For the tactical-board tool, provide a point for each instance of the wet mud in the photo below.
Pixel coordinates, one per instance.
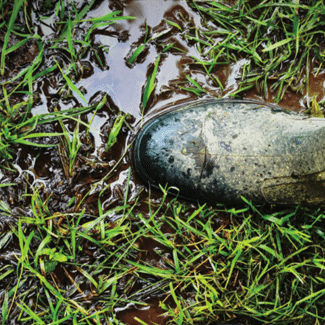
(104, 70)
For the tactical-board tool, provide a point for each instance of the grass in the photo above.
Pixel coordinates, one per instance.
(278, 39)
(268, 267)
(255, 265)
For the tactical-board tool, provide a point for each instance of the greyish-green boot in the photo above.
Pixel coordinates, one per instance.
(217, 151)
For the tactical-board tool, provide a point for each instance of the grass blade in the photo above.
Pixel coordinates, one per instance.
(71, 85)
(115, 130)
(136, 53)
(150, 86)
(17, 5)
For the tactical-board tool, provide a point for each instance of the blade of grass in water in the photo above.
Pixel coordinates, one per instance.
(150, 86)
(112, 138)
(136, 53)
(71, 85)
(16, 8)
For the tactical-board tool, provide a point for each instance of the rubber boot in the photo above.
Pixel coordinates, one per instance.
(218, 151)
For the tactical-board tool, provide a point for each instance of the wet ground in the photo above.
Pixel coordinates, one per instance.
(124, 83)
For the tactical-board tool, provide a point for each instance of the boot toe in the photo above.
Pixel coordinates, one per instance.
(170, 150)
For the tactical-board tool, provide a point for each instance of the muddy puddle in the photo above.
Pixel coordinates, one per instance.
(108, 176)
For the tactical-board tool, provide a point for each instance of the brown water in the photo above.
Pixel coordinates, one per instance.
(124, 83)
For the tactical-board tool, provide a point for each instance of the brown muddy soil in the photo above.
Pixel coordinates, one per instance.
(124, 84)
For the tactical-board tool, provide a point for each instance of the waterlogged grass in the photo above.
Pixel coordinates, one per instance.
(277, 38)
(267, 268)
(278, 44)
(15, 124)
(254, 265)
